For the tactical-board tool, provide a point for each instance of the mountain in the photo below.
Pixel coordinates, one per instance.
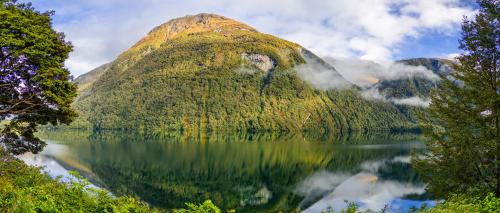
(86, 80)
(209, 73)
(418, 85)
(412, 92)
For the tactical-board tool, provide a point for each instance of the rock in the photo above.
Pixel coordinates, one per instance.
(263, 62)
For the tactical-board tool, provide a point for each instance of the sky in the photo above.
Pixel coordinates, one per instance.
(378, 30)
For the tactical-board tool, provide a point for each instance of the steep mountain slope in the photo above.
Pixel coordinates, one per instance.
(209, 73)
(86, 80)
(416, 86)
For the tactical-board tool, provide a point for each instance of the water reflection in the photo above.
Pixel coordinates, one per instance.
(246, 172)
(52, 167)
(371, 188)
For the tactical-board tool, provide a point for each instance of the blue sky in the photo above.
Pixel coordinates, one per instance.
(378, 30)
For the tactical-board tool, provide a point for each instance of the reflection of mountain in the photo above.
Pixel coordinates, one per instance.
(246, 172)
(380, 182)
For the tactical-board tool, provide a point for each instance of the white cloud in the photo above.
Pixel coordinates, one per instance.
(374, 94)
(367, 29)
(451, 56)
(365, 73)
(321, 77)
(412, 101)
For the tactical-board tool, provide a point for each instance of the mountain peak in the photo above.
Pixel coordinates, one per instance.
(202, 22)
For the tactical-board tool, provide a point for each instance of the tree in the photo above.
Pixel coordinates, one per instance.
(463, 126)
(35, 88)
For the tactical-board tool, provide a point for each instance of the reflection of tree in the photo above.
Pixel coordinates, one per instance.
(399, 171)
(170, 170)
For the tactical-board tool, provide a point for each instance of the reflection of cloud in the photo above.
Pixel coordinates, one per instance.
(53, 149)
(402, 159)
(46, 160)
(372, 166)
(318, 185)
(365, 188)
(50, 166)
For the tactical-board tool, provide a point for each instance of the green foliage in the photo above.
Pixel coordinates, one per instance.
(200, 82)
(354, 208)
(25, 189)
(463, 126)
(466, 203)
(206, 207)
(415, 86)
(41, 94)
(351, 208)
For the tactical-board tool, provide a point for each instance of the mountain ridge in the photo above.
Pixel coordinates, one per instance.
(189, 24)
(219, 80)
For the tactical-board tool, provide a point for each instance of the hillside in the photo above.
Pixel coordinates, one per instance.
(418, 85)
(210, 73)
(86, 80)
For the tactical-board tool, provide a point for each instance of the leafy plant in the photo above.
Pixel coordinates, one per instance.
(34, 85)
(463, 127)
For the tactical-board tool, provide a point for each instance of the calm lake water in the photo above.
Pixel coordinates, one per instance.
(246, 172)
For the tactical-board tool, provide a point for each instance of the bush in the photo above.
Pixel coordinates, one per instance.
(26, 189)
(464, 203)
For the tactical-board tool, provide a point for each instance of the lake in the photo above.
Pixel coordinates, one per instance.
(243, 171)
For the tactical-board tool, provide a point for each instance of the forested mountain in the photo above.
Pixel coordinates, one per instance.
(86, 80)
(415, 90)
(210, 73)
(416, 86)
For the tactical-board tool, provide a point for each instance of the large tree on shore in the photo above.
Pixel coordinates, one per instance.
(35, 88)
(463, 127)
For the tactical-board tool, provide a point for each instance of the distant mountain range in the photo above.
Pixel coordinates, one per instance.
(210, 73)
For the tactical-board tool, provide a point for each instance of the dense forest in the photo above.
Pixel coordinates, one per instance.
(200, 80)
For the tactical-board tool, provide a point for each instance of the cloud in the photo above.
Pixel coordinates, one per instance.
(366, 29)
(360, 72)
(374, 94)
(451, 56)
(412, 101)
(366, 73)
(321, 77)
(396, 71)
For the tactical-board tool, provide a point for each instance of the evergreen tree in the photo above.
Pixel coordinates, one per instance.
(34, 85)
(463, 126)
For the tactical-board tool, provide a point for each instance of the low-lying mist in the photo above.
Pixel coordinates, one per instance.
(342, 73)
(366, 73)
